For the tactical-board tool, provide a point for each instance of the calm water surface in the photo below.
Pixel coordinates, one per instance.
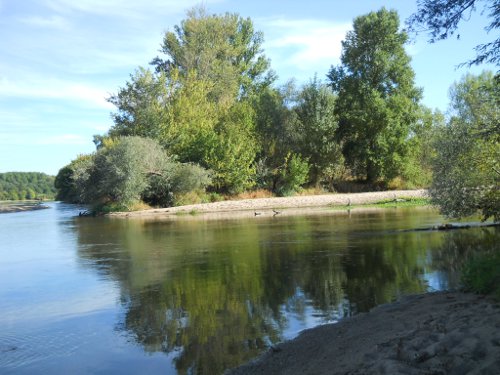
(105, 296)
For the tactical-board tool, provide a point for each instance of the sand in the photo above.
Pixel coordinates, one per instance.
(269, 206)
(436, 333)
(20, 207)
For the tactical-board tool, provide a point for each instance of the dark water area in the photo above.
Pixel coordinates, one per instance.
(193, 296)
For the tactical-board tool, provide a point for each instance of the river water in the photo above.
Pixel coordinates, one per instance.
(194, 296)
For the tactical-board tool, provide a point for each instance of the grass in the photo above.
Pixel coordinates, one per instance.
(192, 212)
(391, 203)
(481, 274)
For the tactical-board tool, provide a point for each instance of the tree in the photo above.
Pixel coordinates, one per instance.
(222, 49)
(26, 185)
(71, 180)
(440, 18)
(317, 127)
(279, 136)
(122, 172)
(377, 99)
(197, 103)
(466, 173)
(418, 169)
(142, 105)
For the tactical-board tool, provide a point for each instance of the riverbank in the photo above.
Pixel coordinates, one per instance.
(435, 333)
(282, 205)
(10, 207)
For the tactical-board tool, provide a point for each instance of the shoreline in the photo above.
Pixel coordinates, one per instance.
(432, 333)
(7, 208)
(268, 206)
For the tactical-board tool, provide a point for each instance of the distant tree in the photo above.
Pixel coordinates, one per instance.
(317, 125)
(377, 98)
(440, 19)
(466, 168)
(26, 185)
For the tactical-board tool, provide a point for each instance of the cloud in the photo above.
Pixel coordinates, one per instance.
(63, 139)
(52, 22)
(34, 139)
(131, 9)
(78, 93)
(305, 44)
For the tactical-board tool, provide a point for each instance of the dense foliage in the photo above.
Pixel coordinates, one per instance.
(466, 167)
(26, 185)
(125, 171)
(208, 120)
(377, 98)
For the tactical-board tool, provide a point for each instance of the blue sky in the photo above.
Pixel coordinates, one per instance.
(61, 59)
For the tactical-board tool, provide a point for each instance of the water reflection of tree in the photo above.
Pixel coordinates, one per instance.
(459, 246)
(216, 292)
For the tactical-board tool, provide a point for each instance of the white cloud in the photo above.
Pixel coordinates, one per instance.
(33, 139)
(63, 139)
(131, 9)
(79, 93)
(52, 22)
(305, 44)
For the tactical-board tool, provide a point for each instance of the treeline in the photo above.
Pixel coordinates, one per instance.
(208, 119)
(26, 185)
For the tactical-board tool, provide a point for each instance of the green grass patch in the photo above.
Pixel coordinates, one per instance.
(192, 212)
(390, 203)
(481, 274)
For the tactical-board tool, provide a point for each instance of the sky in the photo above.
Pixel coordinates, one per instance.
(61, 59)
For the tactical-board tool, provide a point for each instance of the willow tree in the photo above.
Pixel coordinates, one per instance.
(377, 98)
(466, 167)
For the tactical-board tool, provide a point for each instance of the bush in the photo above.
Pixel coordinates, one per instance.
(293, 175)
(482, 274)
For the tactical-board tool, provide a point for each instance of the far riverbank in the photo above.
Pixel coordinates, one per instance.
(280, 205)
(20, 206)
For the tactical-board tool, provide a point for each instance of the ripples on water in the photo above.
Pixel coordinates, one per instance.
(89, 295)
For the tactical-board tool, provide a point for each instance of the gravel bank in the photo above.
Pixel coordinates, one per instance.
(265, 206)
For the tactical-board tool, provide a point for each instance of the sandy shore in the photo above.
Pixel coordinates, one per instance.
(16, 207)
(265, 206)
(437, 333)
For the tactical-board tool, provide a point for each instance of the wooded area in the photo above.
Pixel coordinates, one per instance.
(26, 185)
(207, 120)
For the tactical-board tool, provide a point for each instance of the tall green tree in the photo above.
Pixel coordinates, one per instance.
(280, 168)
(418, 170)
(318, 124)
(223, 49)
(466, 168)
(377, 98)
(197, 103)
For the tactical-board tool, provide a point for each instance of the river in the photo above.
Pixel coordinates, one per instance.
(83, 295)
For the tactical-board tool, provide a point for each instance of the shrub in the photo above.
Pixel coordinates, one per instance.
(482, 274)
(293, 174)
